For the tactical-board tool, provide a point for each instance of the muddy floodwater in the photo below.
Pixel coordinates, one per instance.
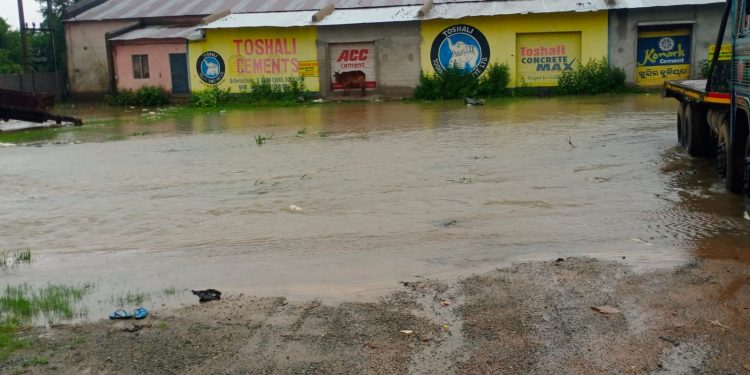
(385, 192)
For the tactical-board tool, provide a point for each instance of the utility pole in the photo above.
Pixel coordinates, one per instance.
(24, 50)
(51, 26)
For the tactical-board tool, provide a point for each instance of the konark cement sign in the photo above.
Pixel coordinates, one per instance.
(662, 56)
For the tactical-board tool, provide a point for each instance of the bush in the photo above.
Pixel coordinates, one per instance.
(151, 96)
(264, 91)
(148, 96)
(453, 83)
(210, 97)
(494, 82)
(595, 77)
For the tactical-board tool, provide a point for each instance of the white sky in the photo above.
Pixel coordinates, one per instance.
(9, 11)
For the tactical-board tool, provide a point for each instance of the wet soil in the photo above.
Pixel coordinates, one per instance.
(529, 318)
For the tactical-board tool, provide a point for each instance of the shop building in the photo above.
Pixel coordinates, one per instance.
(152, 56)
(667, 40)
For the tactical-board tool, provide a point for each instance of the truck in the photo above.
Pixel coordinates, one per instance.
(713, 113)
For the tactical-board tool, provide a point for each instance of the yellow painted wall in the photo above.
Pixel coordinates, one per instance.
(501, 31)
(248, 55)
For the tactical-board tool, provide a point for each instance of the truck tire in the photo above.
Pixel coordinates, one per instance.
(747, 179)
(728, 163)
(681, 124)
(697, 134)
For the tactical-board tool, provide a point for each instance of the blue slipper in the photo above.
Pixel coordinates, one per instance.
(140, 313)
(120, 314)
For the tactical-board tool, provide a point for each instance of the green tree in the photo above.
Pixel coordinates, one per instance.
(40, 44)
(10, 49)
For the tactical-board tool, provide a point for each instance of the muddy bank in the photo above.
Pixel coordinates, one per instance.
(528, 318)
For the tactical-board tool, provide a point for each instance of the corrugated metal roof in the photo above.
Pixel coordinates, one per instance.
(129, 9)
(439, 11)
(134, 9)
(158, 32)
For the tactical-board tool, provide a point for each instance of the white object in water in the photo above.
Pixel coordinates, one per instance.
(293, 208)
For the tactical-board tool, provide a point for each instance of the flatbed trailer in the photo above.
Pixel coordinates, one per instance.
(24, 106)
(713, 114)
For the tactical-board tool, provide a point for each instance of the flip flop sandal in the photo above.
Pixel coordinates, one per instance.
(120, 314)
(140, 313)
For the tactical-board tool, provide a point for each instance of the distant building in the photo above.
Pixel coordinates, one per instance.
(380, 45)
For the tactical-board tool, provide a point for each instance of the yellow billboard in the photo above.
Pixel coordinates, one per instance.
(474, 43)
(662, 56)
(541, 58)
(236, 58)
(725, 53)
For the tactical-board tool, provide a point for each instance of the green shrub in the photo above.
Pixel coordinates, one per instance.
(705, 68)
(595, 77)
(264, 91)
(147, 96)
(121, 98)
(454, 83)
(210, 97)
(494, 82)
(151, 96)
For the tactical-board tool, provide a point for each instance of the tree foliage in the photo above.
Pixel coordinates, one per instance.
(10, 49)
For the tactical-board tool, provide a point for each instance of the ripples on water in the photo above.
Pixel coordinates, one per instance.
(388, 191)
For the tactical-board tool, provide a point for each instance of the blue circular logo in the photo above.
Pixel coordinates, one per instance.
(460, 47)
(210, 67)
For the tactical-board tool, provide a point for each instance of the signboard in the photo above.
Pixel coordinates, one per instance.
(541, 58)
(353, 66)
(725, 53)
(236, 58)
(460, 46)
(662, 56)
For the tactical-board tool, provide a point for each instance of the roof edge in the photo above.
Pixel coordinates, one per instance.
(81, 7)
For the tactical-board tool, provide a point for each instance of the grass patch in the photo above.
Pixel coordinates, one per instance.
(9, 260)
(263, 138)
(9, 342)
(170, 291)
(20, 304)
(36, 361)
(132, 298)
(301, 132)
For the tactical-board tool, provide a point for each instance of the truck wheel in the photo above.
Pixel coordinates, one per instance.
(729, 165)
(747, 179)
(681, 124)
(696, 135)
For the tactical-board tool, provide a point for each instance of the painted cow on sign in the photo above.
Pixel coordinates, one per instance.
(354, 79)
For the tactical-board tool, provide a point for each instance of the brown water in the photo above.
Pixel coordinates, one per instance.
(388, 191)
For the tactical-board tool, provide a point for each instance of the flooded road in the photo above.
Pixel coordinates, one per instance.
(388, 191)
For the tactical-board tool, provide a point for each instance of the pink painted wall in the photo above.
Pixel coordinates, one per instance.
(158, 63)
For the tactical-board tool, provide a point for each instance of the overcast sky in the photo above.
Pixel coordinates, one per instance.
(9, 11)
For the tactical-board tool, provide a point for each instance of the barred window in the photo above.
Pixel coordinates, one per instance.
(140, 66)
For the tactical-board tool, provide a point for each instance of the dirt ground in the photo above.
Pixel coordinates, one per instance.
(529, 318)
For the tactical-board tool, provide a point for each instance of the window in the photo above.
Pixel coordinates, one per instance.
(140, 66)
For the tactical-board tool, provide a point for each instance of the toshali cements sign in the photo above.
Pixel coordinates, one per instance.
(245, 56)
